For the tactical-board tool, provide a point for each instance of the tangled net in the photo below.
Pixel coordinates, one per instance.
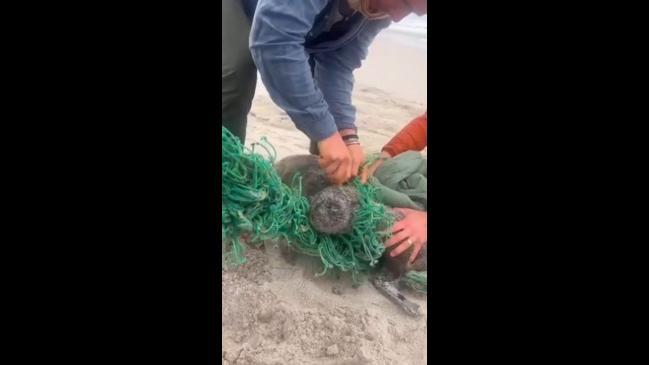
(416, 280)
(255, 201)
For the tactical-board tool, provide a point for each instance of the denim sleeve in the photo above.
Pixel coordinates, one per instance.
(279, 29)
(334, 74)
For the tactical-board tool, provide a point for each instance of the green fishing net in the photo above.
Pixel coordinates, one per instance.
(256, 203)
(416, 280)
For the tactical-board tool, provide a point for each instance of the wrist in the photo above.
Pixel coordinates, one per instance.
(350, 137)
(351, 140)
(347, 131)
(333, 136)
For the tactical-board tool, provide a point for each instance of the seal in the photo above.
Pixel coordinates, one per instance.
(332, 207)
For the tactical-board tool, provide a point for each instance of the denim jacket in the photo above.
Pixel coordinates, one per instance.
(285, 34)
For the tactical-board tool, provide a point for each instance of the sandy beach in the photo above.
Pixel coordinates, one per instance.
(275, 311)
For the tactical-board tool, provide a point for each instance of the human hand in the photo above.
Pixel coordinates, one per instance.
(335, 159)
(356, 151)
(411, 230)
(371, 169)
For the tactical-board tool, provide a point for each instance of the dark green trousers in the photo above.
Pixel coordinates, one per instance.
(238, 72)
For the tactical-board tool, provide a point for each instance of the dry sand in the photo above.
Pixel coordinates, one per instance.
(274, 309)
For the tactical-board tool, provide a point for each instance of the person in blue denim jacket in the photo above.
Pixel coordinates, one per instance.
(306, 52)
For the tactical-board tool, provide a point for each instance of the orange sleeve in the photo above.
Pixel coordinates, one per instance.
(411, 138)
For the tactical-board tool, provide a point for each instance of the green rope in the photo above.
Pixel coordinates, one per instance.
(416, 280)
(255, 201)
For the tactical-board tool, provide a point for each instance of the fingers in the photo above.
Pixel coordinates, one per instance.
(324, 162)
(337, 159)
(335, 169)
(368, 171)
(397, 229)
(342, 174)
(346, 167)
(398, 226)
(400, 249)
(339, 172)
(407, 232)
(415, 252)
(364, 176)
(331, 168)
(357, 159)
(396, 238)
(350, 169)
(354, 168)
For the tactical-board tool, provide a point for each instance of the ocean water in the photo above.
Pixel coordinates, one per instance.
(412, 30)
